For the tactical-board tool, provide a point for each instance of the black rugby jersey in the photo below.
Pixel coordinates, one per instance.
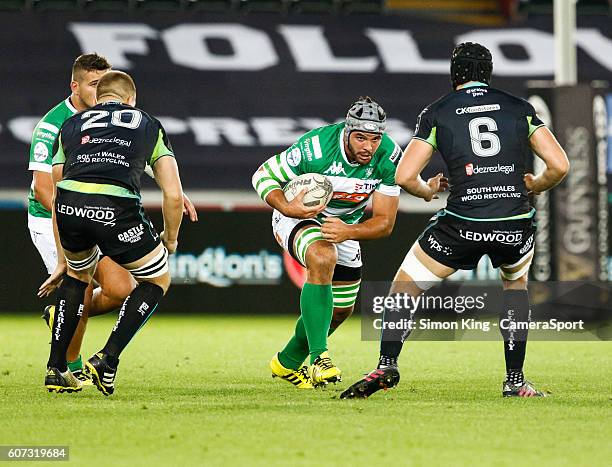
(108, 146)
(482, 134)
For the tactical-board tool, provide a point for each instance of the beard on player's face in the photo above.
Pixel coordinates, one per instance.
(361, 152)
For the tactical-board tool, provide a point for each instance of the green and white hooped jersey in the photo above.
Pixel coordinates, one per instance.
(322, 151)
(41, 149)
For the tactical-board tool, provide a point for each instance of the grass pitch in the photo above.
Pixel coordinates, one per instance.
(197, 391)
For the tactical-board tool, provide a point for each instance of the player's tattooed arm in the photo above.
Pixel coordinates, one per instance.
(416, 156)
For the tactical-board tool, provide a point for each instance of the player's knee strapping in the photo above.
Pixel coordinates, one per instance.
(423, 277)
(306, 238)
(155, 267)
(510, 272)
(345, 296)
(84, 264)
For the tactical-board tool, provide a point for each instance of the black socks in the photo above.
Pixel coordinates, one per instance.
(395, 331)
(68, 311)
(516, 313)
(136, 310)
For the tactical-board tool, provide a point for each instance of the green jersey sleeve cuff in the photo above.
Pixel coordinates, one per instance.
(431, 139)
(533, 128)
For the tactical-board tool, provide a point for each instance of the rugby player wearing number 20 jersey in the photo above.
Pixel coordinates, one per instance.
(485, 137)
(99, 157)
(113, 282)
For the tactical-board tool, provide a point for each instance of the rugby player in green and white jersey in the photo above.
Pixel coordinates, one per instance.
(360, 161)
(115, 282)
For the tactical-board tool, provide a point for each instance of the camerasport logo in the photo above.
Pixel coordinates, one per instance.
(85, 139)
(471, 169)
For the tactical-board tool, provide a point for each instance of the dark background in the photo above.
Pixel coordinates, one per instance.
(37, 52)
(38, 49)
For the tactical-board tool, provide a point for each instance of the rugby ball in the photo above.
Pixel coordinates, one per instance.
(320, 189)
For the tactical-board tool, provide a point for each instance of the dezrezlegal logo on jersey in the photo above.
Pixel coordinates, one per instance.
(471, 169)
(118, 141)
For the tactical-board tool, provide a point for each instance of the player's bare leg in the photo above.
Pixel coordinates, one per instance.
(340, 316)
(115, 283)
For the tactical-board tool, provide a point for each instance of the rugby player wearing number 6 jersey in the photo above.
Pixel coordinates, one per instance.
(99, 157)
(485, 137)
(360, 161)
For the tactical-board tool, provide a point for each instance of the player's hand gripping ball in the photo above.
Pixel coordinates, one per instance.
(319, 189)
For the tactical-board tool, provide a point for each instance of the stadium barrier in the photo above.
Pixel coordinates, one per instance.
(229, 262)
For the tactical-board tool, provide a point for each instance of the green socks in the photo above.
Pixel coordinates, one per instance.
(75, 365)
(296, 350)
(316, 304)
